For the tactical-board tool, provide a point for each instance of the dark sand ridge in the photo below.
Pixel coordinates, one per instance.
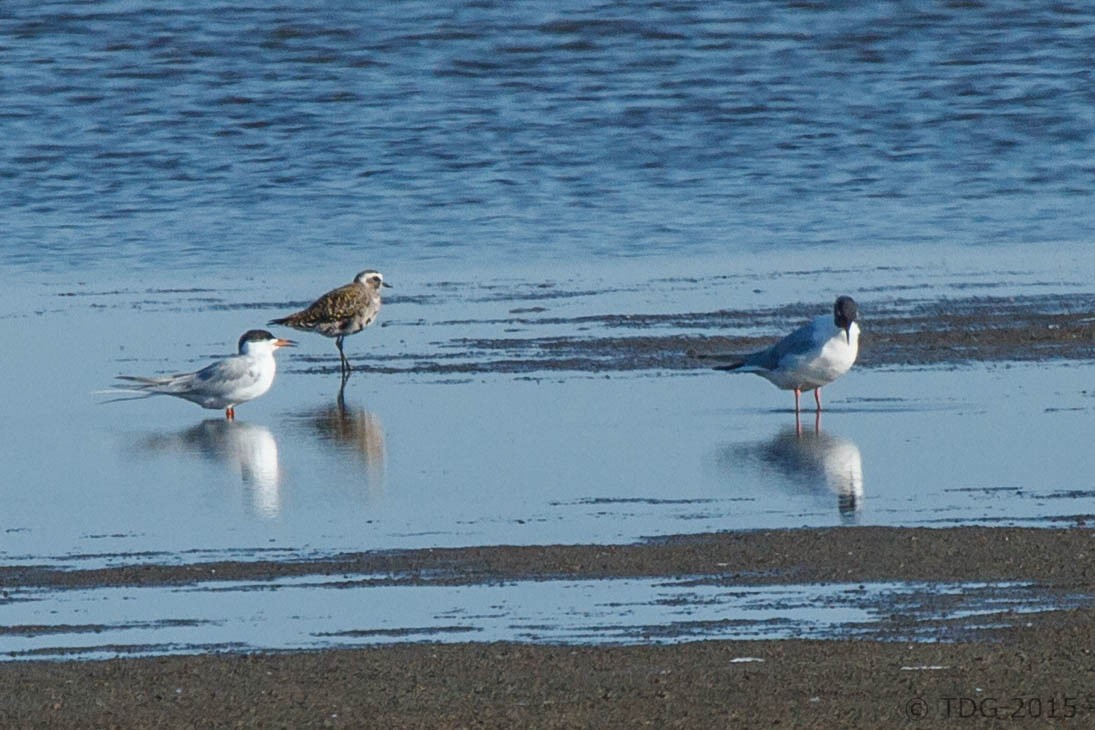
(895, 332)
(755, 557)
(1042, 666)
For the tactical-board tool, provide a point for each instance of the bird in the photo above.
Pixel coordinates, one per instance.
(224, 384)
(813, 355)
(340, 312)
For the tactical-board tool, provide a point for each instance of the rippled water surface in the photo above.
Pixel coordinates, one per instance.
(259, 136)
(173, 176)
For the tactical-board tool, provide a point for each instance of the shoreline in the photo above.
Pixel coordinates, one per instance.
(1045, 656)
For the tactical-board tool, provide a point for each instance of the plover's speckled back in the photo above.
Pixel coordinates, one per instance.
(224, 384)
(340, 312)
(814, 355)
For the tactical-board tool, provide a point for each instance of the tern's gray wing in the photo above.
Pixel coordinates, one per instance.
(222, 377)
(798, 342)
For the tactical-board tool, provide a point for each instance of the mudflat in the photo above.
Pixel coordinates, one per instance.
(1027, 669)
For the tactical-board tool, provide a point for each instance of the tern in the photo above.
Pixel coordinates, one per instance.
(224, 384)
(340, 312)
(814, 355)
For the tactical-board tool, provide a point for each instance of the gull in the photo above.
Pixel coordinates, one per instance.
(814, 355)
(340, 312)
(224, 384)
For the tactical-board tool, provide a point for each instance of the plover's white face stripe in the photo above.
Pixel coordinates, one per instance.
(371, 277)
(341, 312)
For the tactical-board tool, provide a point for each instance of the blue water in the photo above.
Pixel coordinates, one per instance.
(173, 176)
(413, 135)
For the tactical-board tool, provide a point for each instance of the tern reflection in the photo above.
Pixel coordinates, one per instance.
(354, 430)
(810, 460)
(249, 447)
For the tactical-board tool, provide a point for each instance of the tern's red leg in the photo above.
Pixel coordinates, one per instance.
(817, 398)
(798, 392)
(230, 414)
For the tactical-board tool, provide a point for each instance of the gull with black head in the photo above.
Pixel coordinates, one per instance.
(814, 355)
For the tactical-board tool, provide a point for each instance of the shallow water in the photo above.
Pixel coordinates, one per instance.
(345, 611)
(416, 459)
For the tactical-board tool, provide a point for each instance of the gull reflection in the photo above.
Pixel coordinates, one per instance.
(353, 430)
(247, 446)
(809, 460)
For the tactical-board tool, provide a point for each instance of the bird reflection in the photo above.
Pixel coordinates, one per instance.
(809, 459)
(352, 429)
(247, 446)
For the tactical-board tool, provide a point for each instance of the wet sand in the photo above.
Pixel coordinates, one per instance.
(896, 332)
(761, 557)
(1028, 669)
(1044, 671)
(1031, 663)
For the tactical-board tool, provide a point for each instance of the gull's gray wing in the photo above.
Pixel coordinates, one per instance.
(798, 342)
